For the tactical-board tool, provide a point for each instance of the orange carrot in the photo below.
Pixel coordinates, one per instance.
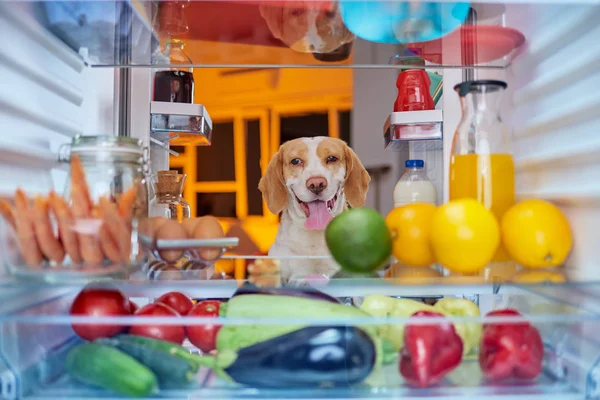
(126, 203)
(88, 242)
(68, 236)
(79, 184)
(116, 227)
(108, 245)
(48, 243)
(30, 250)
(8, 213)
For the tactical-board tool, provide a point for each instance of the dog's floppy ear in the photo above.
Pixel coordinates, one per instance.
(357, 180)
(273, 186)
(273, 15)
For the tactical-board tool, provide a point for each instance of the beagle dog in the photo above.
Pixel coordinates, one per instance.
(309, 181)
(307, 26)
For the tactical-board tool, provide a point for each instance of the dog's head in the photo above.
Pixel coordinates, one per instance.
(313, 178)
(308, 27)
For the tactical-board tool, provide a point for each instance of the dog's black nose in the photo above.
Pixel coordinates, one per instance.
(316, 184)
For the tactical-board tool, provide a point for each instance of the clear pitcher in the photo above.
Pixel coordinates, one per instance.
(481, 164)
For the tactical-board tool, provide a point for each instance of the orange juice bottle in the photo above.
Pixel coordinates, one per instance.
(481, 164)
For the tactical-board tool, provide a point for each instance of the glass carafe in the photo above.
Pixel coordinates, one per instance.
(167, 200)
(175, 84)
(481, 164)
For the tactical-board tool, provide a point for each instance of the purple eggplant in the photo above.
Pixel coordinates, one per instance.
(312, 357)
(304, 292)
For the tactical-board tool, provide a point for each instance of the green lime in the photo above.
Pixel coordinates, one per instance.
(359, 240)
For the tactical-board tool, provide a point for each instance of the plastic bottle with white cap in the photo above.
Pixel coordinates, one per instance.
(414, 186)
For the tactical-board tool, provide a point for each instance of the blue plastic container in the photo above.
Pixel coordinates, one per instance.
(402, 22)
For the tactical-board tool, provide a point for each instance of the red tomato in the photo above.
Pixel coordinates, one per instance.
(99, 302)
(170, 333)
(177, 301)
(204, 336)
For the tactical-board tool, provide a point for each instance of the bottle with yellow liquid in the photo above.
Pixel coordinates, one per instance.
(481, 164)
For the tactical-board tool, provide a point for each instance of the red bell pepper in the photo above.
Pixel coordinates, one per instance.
(430, 352)
(510, 350)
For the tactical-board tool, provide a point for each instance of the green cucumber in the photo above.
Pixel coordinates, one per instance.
(106, 367)
(260, 305)
(171, 370)
(164, 347)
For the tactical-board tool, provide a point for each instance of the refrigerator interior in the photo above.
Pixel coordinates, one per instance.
(57, 82)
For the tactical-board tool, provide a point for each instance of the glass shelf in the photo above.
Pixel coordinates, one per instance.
(182, 123)
(397, 280)
(415, 128)
(122, 33)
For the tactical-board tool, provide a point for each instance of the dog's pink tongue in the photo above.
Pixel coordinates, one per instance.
(318, 215)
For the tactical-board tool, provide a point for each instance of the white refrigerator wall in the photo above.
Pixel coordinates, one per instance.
(554, 109)
(47, 96)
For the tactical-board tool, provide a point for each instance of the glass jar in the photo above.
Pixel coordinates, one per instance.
(175, 84)
(167, 198)
(115, 169)
(90, 231)
(481, 163)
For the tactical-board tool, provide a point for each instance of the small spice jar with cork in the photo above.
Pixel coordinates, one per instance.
(167, 200)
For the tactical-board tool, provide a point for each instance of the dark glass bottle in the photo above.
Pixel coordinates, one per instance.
(176, 84)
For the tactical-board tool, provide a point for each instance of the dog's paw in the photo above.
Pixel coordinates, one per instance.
(265, 273)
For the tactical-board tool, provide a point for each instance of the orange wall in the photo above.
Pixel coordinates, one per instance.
(235, 88)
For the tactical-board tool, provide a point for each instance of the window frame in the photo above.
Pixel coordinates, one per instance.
(270, 135)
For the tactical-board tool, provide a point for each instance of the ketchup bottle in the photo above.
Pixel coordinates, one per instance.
(413, 91)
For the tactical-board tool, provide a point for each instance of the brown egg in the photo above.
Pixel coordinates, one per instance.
(145, 227)
(171, 230)
(155, 224)
(208, 227)
(190, 224)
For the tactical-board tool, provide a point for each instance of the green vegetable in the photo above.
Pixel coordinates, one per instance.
(164, 347)
(470, 332)
(359, 240)
(106, 367)
(384, 306)
(389, 351)
(173, 365)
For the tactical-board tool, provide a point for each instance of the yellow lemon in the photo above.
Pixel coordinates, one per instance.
(464, 235)
(536, 234)
(410, 227)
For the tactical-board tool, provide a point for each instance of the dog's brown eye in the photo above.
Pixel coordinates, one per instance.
(296, 161)
(331, 159)
(296, 12)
